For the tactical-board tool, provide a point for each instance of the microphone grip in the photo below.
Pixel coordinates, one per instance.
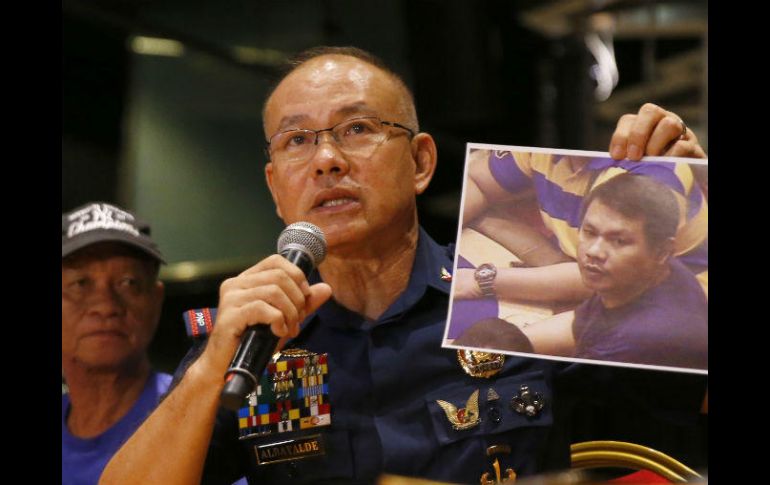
(257, 346)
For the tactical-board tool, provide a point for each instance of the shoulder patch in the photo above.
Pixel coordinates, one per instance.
(199, 322)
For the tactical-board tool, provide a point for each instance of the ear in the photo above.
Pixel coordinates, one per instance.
(666, 251)
(425, 157)
(158, 292)
(269, 178)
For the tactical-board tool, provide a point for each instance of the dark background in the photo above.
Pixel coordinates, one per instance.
(491, 71)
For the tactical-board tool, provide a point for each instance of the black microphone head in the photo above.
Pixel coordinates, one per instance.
(305, 237)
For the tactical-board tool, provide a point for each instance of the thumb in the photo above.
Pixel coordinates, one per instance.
(319, 294)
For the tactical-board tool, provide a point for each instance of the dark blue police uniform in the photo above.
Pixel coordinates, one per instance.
(385, 380)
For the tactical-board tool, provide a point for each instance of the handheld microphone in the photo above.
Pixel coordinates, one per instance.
(303, 244)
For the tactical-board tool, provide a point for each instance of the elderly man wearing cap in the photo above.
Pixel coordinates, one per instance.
(111, 301)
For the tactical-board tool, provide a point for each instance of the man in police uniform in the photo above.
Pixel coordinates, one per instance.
(347, 155)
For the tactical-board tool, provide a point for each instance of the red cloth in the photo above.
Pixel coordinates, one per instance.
(642, 476)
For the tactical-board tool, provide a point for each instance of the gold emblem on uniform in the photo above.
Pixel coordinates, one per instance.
(509, 479)
(463, 418)
(480, 364)
(292, 353)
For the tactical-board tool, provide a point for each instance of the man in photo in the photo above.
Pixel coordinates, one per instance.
(648, 308)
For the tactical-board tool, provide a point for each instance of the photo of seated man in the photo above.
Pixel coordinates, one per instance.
(647, 308)
(517, 247)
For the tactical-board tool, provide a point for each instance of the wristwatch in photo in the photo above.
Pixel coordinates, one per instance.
(485, 278)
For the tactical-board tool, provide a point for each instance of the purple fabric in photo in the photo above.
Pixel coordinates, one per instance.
(467, 312)
(667, 325)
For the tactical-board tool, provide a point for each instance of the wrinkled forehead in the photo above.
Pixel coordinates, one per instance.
(328, 85)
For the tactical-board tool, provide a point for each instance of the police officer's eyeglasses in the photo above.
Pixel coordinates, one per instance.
(357, 136)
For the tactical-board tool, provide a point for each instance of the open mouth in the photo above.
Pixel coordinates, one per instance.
(334, 198)
(336, 202)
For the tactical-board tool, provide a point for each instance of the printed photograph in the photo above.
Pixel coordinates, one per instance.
(572, 255)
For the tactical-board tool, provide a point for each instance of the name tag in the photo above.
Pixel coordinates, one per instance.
(293, 449)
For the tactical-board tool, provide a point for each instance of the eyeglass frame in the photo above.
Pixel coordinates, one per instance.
(392, 124)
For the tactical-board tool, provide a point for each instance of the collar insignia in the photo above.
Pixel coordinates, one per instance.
(445, 275)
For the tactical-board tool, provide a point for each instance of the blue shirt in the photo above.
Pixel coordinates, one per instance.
(84, 459)
(385, 377)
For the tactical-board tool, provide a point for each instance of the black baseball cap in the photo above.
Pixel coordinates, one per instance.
(97, 222)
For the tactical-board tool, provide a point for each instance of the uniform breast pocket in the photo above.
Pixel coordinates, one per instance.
(483, 407)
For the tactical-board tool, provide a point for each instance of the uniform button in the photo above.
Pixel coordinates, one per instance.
(291, 470)
(493, 411)
(494, 414)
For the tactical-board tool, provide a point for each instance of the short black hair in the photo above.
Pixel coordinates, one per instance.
(495, 333)
(639, 197)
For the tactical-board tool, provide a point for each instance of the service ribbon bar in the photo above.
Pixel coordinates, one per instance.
(292, 394)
